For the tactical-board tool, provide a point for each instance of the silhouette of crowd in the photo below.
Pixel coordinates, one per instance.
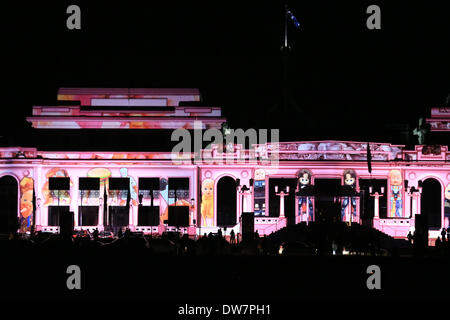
(316, 238)
(442, 243)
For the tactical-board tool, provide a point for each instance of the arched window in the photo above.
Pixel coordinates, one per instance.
(8, 200)
(226, 202)
(431, 203)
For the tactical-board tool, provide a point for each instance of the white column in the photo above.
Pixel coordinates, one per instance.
(135, 216)
(75, 196)
(377, 207)
(414, 205)
(191, 216)
(100, 210)
(376, 199)
(282, 205)
(247, 202)
(194, 194)
(418, 204)
(43, 211)
(131, 215)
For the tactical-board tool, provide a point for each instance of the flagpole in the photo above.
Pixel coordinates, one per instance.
(285, 27)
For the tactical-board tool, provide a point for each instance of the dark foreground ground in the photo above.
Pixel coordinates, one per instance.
(30, 274)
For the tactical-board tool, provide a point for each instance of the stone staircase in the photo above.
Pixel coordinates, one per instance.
(356, 234)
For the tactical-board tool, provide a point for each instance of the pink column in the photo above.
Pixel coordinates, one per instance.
(75, 196)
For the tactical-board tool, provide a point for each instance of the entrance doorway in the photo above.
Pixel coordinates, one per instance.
(327, 191)
(226, 202)
(431, 203)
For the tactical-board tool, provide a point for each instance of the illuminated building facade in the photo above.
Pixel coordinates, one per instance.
(282, 183)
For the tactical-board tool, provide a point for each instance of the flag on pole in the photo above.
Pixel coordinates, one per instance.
(294, 20)
(369, 158)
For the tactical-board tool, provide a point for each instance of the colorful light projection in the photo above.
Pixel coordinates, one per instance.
(26, 202)
(260, 192)
(55, 197)
(90, 96)
(329, 150)
(103, 174)
(133, 188)
(348, 209)
(168, 113)
(163, 200)
(182, 199)
(207, 207)
(89, 198)
(106, 155)
(178, 203)
(396, 194)
(305, 205)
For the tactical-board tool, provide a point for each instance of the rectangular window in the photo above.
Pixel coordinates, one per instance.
(88, 215)
(58, 183)
(89, 191)
(148, 216)
(179, 188)
(54, 213)
(89, 184)
(119, 183)
(118, 191)
(178, 216)
(147, 185)
(59, 188)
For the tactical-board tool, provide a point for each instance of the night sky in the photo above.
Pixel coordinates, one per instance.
(347, 82)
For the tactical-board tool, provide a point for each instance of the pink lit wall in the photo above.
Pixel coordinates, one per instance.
(32, 174)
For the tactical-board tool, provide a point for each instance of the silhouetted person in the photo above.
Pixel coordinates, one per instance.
(219, 232)
(256, 234)
(238, 238)
(260, 247)
(443, 234)
(264, 244)
(127, 232)
(410, 237)
(95, 234)
(438, 242)
(232, 237)
(120, 234)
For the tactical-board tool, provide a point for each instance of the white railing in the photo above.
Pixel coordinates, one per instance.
(269, 224)
(50, 229)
